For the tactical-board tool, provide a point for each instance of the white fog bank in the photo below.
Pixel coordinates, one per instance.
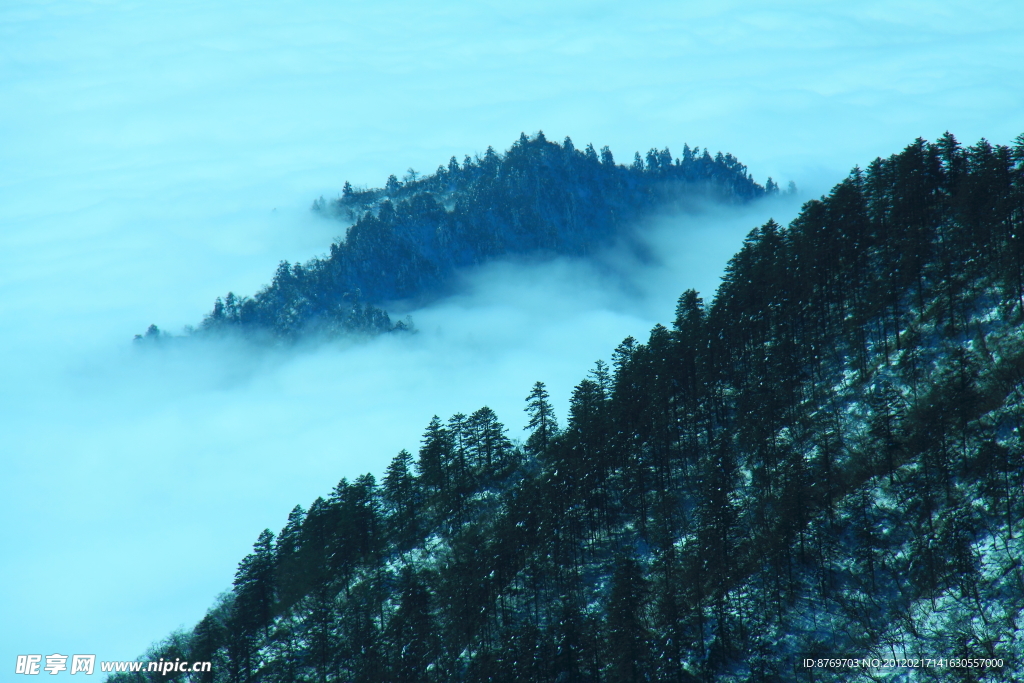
(156, 155)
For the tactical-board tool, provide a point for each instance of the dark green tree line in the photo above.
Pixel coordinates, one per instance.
(826, 460)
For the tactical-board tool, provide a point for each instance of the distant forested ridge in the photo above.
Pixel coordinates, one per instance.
(408, 238)
(826, 461)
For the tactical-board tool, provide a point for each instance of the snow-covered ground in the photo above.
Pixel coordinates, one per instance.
(155, 155)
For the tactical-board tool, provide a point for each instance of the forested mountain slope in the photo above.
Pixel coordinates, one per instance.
(824, 461)
(409, 237)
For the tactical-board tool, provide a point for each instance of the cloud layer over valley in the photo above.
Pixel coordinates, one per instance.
(157, 155)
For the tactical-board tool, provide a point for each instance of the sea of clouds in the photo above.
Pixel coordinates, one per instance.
(155, 155)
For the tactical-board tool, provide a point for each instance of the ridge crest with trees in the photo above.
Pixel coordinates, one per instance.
(824, 461)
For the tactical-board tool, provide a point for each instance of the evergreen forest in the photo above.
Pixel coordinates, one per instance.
(406, 240)
(823, 460)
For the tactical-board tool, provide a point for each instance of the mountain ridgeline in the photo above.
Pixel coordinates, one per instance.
(408, 238)
(826, 461)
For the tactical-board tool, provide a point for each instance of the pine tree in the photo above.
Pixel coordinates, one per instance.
(253, 607)
(402, 500)
(434, 463)
(543, 425)
(489, 451)
(287, 561)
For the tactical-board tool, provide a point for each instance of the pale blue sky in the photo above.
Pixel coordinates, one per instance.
(154, 155)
